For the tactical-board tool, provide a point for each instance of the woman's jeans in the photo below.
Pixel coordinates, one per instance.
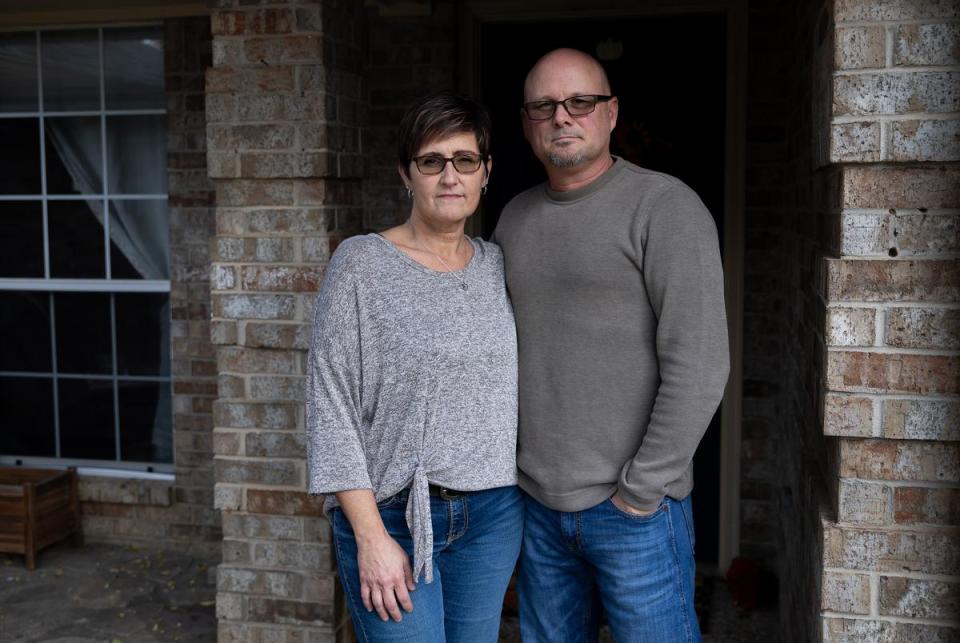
(475, 547)
(638, 569)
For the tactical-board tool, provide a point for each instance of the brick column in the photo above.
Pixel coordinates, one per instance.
(285, 102)
(892, 557)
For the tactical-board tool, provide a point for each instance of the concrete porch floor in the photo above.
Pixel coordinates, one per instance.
(114, 594)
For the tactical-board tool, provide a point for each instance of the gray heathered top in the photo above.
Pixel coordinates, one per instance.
(411, 379)
(617, 289)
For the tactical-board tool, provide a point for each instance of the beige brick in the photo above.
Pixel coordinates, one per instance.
(227, 442)
(277, 335)
(254, 193)
(927, 552)
(930, 140)
(275, 387)
(227, 498)
(254, 306)
(921, 419)
(930, 44)
(295, 555)
(229, 606)
(917, 598)
(223, 165)
(223, 332)
(223, 278)
(855, 142)
(277, 528)
(860, 47)
(220, 107)
(918, 234)
(901, 187)
(271, 472)
(893, 373)
(284, 503)
(291, 221)
(231, 578)
(250, 137)
(847, 415)
(264, 165)
(842, 630)
(896, 93)
(273, 250)
(230, 386)
(275, 444)
(274, 106)
(925, 505)
(871, 10)
(923, 328)
(864, 503)
(891, 281)
(850, 326)
(900, 460)
(256, 415)
(844, 592)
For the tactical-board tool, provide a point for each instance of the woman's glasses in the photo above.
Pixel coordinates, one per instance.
(463, 162)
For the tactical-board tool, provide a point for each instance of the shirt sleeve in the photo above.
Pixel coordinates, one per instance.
(334, 440)
(683, 275)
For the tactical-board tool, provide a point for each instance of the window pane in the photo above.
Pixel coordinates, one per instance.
(76, 239)
(86, 419)
(143, 335)
(139, 239)
(20, 164)
(83, 333)
(25, 329)
(133, 68)
(71, 70)
(18, 72)
(21, 239)
(145, 422)
(137, 154)
(74, 155)
(26, 416)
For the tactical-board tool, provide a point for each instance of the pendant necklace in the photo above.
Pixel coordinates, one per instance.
(450, 271)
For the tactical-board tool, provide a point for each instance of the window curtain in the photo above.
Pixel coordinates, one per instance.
(137, 227)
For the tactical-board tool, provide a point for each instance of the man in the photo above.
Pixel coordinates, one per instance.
(617, 288)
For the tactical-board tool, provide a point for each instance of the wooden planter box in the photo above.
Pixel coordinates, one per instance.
(38, 507)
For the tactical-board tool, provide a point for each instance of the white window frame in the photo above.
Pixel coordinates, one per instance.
(105, 285)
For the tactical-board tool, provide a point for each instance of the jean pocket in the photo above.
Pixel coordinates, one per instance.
(687, 510)
(661, 509)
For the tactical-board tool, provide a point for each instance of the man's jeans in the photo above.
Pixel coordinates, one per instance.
(640, 569)
(476, 543)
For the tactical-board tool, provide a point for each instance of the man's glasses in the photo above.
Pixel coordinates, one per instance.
(463, 162)
(541, 110)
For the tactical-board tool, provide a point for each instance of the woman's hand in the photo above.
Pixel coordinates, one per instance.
(386, 577)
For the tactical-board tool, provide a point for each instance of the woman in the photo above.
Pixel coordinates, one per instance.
(411, 399)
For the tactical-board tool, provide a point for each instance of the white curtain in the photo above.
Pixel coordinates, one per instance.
(136, 157)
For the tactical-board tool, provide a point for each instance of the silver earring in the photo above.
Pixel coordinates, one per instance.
(483, 189)
(409, 192)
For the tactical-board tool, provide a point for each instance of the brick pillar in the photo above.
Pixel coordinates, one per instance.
(892, 557)
(285, 102)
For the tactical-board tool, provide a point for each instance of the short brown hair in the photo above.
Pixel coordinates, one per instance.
(439, 115)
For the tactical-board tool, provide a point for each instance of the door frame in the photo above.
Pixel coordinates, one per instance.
(473, 14)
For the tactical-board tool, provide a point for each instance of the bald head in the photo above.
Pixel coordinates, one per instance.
(564, 62)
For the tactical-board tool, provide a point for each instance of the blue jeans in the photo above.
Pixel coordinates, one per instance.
(475, 547)
(638, 569)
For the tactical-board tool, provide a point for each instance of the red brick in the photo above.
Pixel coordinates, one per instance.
(280, 279)
(937, 506)
(885, 281)
(847, 415)
(288, 503)
(900, 460)
(893, 373)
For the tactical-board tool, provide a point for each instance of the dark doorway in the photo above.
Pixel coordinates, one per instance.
(669, 74)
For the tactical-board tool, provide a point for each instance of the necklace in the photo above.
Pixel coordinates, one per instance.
(450, 271)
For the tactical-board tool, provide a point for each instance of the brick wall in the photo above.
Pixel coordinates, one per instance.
(181, 513)
(286, 101)
(892, 556)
